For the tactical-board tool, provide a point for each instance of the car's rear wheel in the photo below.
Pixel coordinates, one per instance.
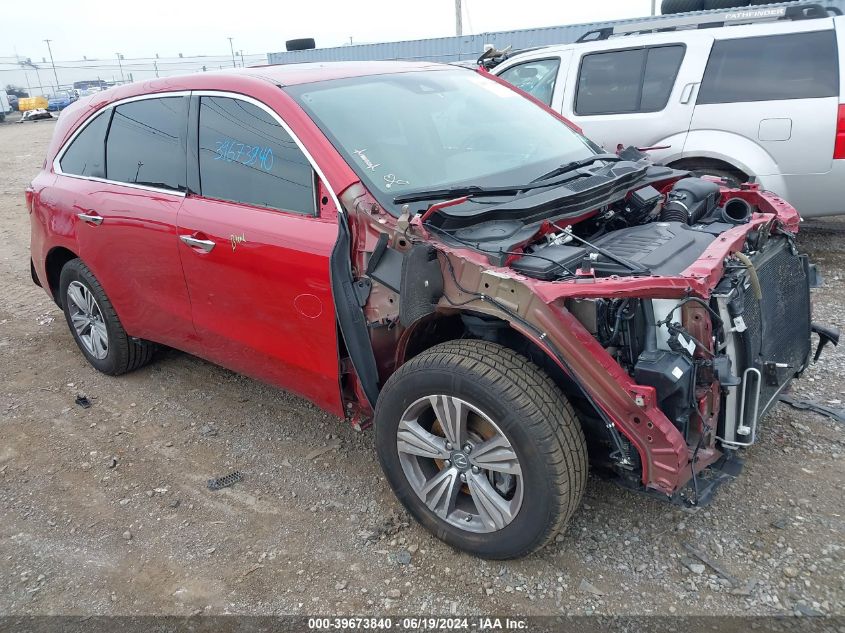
(482, 448)
(94, 324)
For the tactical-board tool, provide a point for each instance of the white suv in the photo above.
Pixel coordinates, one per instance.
(758, 96)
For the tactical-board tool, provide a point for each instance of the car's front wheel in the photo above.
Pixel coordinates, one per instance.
(95, 325)
(482, 448)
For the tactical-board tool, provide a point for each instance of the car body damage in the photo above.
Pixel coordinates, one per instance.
(552, 317)
(423, 247)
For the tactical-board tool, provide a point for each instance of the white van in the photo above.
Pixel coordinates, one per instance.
(5, 106)
(758, 94)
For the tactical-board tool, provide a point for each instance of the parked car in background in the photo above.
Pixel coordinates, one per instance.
(60, 100)
(758, 97)
(423, 246)
(13, 101)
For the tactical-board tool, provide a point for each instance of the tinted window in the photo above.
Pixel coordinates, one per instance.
(637, 80)
(246, 156)
(537, 78)
(661, 70)
(86, 155)
(146, 143)
(794, 66)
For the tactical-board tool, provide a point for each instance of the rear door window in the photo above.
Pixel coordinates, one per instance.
(86, 155)
(771, 68)
(146, 144)
(536, 77)
(246, 156)
(627, 81)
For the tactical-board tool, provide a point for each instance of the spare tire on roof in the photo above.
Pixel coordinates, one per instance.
(681, 6)
(302, 44)
(725, 4)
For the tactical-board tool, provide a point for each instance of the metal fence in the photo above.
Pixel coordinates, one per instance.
(467, 47)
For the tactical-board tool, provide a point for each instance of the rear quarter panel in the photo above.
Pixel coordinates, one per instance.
(52, 226)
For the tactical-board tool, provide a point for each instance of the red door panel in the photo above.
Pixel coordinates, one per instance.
(261, 297)
(134, 254)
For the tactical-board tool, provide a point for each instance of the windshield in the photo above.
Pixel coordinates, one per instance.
(433, 129)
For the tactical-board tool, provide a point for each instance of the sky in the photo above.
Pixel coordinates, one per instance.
(100, 28)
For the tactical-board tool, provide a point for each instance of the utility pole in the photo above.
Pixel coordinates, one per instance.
(120, 57)
(232, 48)
(53, 63)
(29, 63)
(38, 77)
(155, 65)
(28, 87)
(654, 7)
(243, 64)
(459, 18)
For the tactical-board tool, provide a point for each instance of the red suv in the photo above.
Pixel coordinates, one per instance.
(429, 248)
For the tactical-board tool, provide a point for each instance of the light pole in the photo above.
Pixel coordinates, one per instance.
(232, 48)
(654, 7)
(120, 57)
(243, 64)
(459, 18)
(55, 74)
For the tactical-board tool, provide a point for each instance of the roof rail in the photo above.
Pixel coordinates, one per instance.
(732, 17)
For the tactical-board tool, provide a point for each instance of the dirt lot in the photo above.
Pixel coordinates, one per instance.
(105, 510)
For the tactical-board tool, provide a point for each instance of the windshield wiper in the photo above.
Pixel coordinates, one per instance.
(458, 192)
(577, 164)
(474, 191)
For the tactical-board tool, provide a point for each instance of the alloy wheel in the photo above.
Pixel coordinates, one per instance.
(460, 463)
(87, 320)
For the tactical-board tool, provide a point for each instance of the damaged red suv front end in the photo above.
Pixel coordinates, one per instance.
(425, 248)
(671, 310)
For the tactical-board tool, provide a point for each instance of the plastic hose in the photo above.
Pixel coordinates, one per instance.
(755, 280)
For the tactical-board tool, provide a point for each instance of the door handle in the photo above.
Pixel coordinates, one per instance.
(90, 218)
(194, 242)
(687, 93)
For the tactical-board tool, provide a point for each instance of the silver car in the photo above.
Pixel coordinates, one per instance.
(760, 96)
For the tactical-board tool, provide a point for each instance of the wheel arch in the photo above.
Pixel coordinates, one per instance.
(56, 259)
(441, 328)
(692, 163)
(740, 152)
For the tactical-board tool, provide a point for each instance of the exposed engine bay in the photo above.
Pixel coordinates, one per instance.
(686, 298)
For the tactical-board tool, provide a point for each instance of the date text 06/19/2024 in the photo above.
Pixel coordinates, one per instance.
(417, 623)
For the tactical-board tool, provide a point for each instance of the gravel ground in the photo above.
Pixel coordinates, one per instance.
(105, 510)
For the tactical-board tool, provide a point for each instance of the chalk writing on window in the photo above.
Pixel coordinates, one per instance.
(233, 151)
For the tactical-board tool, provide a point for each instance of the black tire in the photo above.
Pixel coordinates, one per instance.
(533, 414)
(124, 353)
(725, 4)
(681, 6)
(302, 44)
